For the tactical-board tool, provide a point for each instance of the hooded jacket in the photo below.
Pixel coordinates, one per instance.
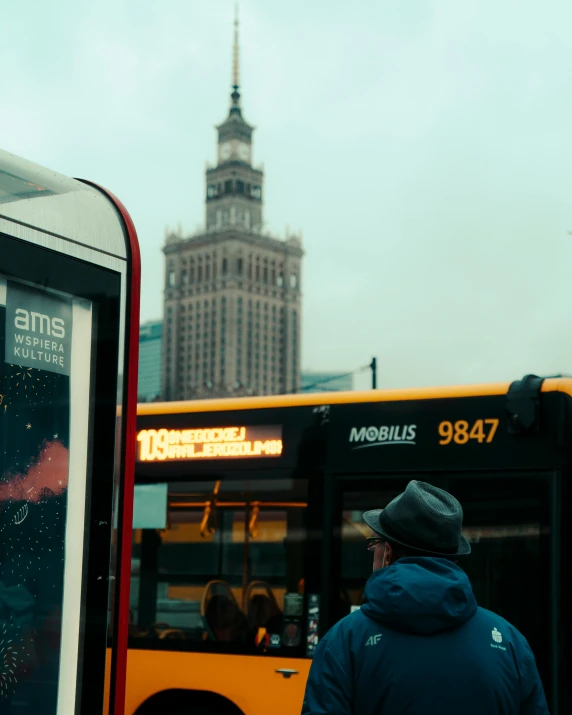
(420, 645)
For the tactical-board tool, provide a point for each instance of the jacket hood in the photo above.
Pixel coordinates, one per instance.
(421, 595)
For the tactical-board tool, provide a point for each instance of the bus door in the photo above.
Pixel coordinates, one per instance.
(511, 521)
(218, 574)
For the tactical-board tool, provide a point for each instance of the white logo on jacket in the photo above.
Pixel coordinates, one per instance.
(497, 636)
(373, 640)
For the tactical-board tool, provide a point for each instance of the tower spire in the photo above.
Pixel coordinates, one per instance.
(235, 61)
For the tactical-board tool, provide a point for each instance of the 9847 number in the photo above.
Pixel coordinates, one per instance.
(462, 432)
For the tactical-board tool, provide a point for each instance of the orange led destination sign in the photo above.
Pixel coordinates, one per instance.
(169, 445)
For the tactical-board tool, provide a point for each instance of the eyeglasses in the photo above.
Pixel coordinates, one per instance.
(373, 542)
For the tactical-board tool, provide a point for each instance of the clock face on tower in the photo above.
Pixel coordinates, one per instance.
(243, 151)
(234, 149)
(225, 151)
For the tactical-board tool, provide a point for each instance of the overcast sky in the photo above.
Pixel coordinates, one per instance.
(422, 146)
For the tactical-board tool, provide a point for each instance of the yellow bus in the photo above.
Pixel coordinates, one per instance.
(249, 544)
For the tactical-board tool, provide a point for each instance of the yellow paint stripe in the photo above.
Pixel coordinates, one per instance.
(341, 398)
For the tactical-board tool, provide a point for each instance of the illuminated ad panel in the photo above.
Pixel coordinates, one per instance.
(45, 344)
(231, 442)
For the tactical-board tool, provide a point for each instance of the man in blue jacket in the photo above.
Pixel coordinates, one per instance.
(420, 645)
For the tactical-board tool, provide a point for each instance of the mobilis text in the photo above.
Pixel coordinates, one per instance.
(384, 435)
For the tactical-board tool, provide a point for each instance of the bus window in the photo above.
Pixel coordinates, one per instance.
(508, 522)
(506, 519)
(219, 575)
(356, 561)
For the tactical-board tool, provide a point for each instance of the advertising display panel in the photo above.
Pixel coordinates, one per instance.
(69, 292)
(45, 341)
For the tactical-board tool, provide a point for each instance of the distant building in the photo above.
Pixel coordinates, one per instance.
(326, 382)
(232, 302)
(150, 350)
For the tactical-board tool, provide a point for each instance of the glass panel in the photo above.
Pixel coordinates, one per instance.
(507, 522)
(15, 187)
(45, 354)
(219, 576)
(356, 561)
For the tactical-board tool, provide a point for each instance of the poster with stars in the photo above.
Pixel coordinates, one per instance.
(36, 338)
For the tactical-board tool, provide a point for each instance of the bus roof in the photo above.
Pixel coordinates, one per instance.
(560, 384)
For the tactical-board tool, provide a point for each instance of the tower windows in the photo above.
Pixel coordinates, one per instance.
(239, 340)
(222, 336)
(257, 345)
(228, 186)
(294, 350)
(172, 280)
(293, 281)
(249, 345)
(239, 263)
(224, 266)
(239, 186)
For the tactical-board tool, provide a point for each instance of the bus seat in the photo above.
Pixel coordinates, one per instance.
(259, 585)
(262, 608)
(214, 588)
(263, 612)
(222, 616)
(225, 620)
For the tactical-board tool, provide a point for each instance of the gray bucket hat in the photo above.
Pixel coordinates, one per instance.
(424, 518)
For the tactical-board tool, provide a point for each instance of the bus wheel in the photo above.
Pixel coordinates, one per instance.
(188, 702)
(200, 709)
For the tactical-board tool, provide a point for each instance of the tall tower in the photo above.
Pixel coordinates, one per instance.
(234, 186)
(232, 301)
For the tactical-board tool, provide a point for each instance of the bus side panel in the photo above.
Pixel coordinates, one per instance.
(250, 682)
